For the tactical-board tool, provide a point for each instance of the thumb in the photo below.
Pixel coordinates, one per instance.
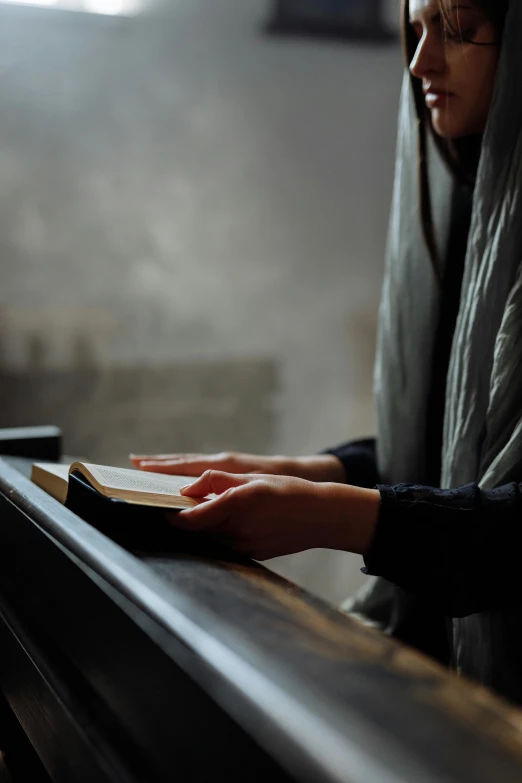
(214, 482)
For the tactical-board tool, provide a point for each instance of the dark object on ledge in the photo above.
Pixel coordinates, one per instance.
(125, 666)
(38, 443)
(138, 528)
(342, 19)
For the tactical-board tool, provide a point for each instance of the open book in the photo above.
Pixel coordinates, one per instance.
(132, 486)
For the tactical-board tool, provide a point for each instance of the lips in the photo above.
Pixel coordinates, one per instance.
(435, 97)
(433, 91)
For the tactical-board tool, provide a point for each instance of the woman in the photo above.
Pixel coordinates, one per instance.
(445, 561)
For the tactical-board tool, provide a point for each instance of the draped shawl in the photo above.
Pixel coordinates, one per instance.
(482, 440)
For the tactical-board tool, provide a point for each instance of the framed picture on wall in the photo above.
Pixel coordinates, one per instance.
(342, 18)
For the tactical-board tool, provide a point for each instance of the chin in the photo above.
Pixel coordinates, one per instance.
(449, 130)
(452, 128)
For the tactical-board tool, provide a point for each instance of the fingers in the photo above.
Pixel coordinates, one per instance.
(173, 464)
(214, 482)
(174, 467)
(216, 512)
(140, 457)
(216, 516)
(178, 464)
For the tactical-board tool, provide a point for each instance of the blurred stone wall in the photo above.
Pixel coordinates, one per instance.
(192, 233)
(106, 413)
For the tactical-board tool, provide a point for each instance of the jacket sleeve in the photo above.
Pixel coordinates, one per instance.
(359, 461)
(458, 548)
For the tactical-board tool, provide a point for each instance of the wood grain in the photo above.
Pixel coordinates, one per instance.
(148, 644)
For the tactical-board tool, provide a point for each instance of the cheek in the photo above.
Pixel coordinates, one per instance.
(475, 76)
(471, 76)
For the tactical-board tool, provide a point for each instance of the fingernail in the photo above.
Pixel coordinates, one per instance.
(182, 489)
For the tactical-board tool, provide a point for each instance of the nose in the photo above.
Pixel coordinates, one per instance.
(429, 58)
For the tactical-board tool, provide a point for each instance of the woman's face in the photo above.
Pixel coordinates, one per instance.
(457, 75)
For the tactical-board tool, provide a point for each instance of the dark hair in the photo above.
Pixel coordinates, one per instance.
(456, 153)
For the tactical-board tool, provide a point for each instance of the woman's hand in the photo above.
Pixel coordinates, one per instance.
(322, 467)
(268, 516)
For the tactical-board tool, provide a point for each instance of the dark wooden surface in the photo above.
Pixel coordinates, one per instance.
(129, 664)
(43, 443)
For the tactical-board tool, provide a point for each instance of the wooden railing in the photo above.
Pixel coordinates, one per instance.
(186, 664)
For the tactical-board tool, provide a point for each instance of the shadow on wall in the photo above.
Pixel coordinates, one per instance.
(107, 412)
(348, 20)
(54, 369)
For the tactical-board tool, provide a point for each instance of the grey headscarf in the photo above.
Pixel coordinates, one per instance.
(483, 418)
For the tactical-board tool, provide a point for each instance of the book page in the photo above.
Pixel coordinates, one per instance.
(56, 468)
(52, 477)
(138, 480)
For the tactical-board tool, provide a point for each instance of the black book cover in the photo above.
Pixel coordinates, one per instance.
(137, 528)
